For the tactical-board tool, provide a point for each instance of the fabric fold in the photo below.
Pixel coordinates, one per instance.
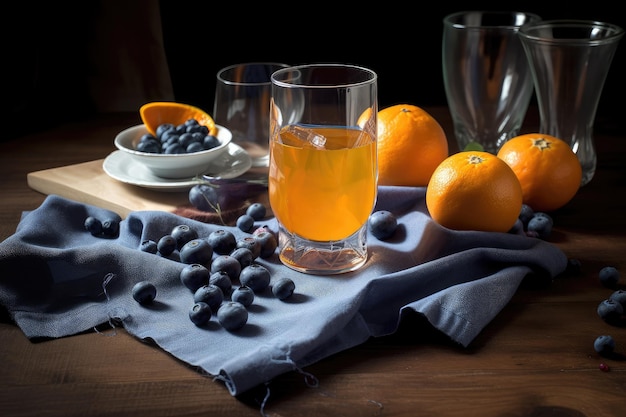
(56, 280)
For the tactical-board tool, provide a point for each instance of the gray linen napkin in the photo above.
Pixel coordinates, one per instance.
(57, 280)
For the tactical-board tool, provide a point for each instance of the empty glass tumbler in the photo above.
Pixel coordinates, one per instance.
(242, 104)
(486, 76)
(570, 60)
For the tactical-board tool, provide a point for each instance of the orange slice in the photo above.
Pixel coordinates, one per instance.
(156, 113)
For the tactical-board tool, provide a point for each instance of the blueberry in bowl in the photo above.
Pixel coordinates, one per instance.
(166, 155)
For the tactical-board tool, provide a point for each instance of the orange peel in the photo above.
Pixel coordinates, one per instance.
(157, 113)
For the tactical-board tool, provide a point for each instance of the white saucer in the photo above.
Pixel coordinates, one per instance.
(118, 165)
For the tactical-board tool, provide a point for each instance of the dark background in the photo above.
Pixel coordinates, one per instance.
(56, 54)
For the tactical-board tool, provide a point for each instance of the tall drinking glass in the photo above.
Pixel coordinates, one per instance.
(242, 102)
(570, 60)
(486, 76)
(323, 171)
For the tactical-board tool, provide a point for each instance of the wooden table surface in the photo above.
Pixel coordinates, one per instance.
(536, 358)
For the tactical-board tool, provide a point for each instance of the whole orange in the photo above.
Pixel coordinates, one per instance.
(474, 190)
(547, 169)
(411, 143)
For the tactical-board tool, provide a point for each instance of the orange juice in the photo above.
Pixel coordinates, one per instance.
(323, 192)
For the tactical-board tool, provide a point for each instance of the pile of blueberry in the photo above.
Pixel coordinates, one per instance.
(220, 271)
(534, 223)
(188, 137)
(108, 228)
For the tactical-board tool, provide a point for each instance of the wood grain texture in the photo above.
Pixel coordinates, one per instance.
(88, 183)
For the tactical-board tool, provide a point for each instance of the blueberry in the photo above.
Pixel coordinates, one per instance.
(147, 137)
(609, 276)
(149, 146)
(221, 280)
(198, 137)
(173, 149)
(525, 214)
(111, 228)
(245, 222)
(200, 313)
(194, 147)
(283, 288)
(186, 139)
(619, 296)
(232, 315)
(204, 197)
(162, 128)
(546, 215)
(210, 142)
(256, 210)
(604, 345)
(170, 138)
(144, 292)
(268, 243)
(244, 256)
(167, 143)
(540, 223)
(196, 251)
(197, 128)
(255, 276)
(166, 245)
(252, 244)
(227, 264)
(170, 135)
(243, 295)
(183, 234)
(149, 246)
(194, 276)
(382, 224)
(610, 311)
(223, 241)
(93, 226)
(180, 129)
(210, 294)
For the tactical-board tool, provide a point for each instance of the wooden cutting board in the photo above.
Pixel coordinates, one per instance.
(88, 183)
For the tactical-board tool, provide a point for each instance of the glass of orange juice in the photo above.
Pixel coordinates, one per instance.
(323, 171)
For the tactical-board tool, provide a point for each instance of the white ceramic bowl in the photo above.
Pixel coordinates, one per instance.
(185, 165)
